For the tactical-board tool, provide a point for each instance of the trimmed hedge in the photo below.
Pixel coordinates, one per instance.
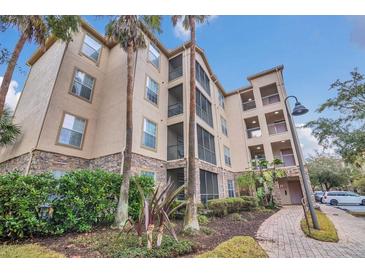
(78, 201)
(222, 207)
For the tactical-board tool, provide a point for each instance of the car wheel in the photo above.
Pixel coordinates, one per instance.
(334, 202)
(363, 202)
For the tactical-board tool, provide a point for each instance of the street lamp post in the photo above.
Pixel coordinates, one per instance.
(299, 109)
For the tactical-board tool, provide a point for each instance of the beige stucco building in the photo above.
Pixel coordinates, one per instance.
(72, 115)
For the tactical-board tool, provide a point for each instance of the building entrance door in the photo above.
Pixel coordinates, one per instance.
(284, 193)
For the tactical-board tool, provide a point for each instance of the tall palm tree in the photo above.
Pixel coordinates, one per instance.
(8, 130)
(191, 215)
(33, 29)
(126, 30)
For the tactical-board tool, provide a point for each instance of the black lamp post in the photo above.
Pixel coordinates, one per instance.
(299, 109)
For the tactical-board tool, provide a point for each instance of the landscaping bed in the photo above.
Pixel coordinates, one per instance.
(104, 242)
(327, 232)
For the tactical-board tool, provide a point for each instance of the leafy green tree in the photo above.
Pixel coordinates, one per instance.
(127, 31)
(33, 29)
(327, 172)
(346, 133)
(191, 215)
(8, 131)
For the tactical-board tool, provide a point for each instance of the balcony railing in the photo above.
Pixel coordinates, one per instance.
(175, 109)
(175, 152)
(175, 73)
(277, 128)
(254, 132)
(287, 159)
(270, 99)
(248, 105)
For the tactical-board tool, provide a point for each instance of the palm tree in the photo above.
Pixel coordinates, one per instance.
(8, 131)
(33, 29)
(126, 30)
(191, 215)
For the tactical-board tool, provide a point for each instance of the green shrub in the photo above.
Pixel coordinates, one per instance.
(20, 198)
(222, 207)
(134, 198)
(237, 247)
(236, 217)
(203, 220)
(79, 200)
(206, 230)
(85, 198)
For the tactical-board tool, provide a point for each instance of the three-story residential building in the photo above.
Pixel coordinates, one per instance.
(72, 115)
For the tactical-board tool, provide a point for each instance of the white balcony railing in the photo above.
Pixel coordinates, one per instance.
(277, 128)
(248, 105)
(270, 99)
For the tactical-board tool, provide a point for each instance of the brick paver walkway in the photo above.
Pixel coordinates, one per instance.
(281, 235)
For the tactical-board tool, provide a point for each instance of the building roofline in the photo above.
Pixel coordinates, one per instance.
(239, 90)
(265, 72)
(169, 53)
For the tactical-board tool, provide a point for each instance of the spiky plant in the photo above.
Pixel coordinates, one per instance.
(8, 131)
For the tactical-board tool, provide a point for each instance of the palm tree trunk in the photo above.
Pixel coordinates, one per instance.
(122, 209)
(191, 215)
(9, 71)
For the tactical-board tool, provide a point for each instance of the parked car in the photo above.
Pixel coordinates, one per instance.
(318, 195)
(342, 197)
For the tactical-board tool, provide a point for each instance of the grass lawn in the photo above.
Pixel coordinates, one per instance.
(327, 233)
(27, 251)
(237, 247)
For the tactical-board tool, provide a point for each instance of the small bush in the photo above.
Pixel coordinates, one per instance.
(221, 207)
(20, 198)
(206, 230)
(79, 200)
(237, 247)
(134, 198)
(236, 217)
(203, 220)
(85, 198)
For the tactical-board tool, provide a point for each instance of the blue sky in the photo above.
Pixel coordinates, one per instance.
(315, 51)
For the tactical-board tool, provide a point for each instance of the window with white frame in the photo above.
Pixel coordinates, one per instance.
(91, 48)
(83, 85)
(152, 89)
(154, 55)
(221, 99)
(149, 133)
(72, 131)
(227, 156)
(230, 187)
(148, 174)
(224, 126)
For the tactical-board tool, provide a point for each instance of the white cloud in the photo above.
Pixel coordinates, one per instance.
(309, 143)
(183, 34)
(13, 95)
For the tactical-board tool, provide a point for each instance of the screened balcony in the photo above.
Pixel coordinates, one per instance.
(269, 94)
(248, 100)
(282, 150)
(276, 122)
(175, 142)
(253, 127)
(175, 67)
(257, 154)
(175, 101)
(177, 177)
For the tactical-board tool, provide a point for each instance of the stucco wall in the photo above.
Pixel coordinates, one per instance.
(34, 100)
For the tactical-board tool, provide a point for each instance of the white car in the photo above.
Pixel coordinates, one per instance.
(342, 197)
